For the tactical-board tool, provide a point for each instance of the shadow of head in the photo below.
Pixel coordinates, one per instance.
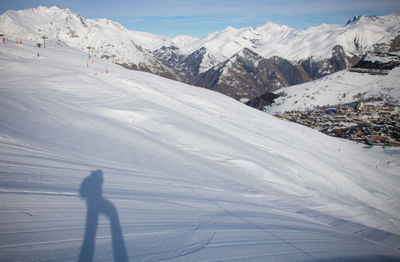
(92, 185)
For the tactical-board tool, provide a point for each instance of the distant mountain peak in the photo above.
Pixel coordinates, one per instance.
(353, 20)
(390, 18)
(229, 28)
(272, 26)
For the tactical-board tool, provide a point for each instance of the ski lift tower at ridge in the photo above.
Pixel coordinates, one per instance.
(44, 40)
(90, 48)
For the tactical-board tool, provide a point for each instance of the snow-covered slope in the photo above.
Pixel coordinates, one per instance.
(339, 88)
(193, 175)
(108, 39)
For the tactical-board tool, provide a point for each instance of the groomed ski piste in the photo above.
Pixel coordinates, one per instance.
(189, 174)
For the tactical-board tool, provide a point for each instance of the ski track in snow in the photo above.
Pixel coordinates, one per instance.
(193, 175)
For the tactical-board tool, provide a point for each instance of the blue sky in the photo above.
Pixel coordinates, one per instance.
(198, 18)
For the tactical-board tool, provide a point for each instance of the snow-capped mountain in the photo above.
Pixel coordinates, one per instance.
(270, 39)
(108, 39)
(249, 62)
(319, 50)
(213, 61)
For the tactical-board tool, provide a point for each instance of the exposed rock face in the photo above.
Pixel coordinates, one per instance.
(237, 77)
(319, 68)
(185, 68)
(191, 65)
(170, 59)
(395, 45)
(248, 75)
(245, 75)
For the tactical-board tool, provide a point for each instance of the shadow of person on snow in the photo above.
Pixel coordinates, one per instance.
(91, 190)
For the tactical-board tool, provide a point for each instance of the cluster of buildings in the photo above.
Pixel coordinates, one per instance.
(370, 123)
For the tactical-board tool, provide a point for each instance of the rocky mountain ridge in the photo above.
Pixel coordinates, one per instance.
(242, 63)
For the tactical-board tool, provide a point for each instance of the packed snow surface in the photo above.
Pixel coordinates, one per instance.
(189, 174)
